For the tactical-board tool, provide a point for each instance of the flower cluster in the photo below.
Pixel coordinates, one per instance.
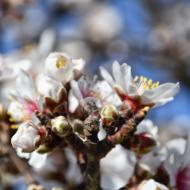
(62, 108)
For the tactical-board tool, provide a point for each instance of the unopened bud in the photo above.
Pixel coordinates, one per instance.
(60, 126)
(108, 114)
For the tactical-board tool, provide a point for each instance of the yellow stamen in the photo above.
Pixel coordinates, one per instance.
(61, 62)
(147, 84)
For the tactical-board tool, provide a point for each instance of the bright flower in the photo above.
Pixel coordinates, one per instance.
(151, 185)
(62, 68)
(28, 137)
(139, 91)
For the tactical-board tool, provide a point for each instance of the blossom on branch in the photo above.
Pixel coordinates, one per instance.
(139, 91)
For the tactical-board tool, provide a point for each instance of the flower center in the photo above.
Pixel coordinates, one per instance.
(61, 62)
(146, 84)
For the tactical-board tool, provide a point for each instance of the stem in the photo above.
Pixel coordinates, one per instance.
(92, 175)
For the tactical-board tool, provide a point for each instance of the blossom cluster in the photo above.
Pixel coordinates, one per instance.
(98, 122)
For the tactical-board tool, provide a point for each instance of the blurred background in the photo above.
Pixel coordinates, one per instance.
(151, 36)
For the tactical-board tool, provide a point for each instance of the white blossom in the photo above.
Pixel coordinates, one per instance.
(26, 138)
(62, 68)
(139, 90)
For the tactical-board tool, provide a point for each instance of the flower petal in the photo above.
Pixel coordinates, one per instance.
(105, 74)
(25, 85)
(186, 157)
(78, 64)
(48, 87)
(76, 90)
(118, 75)
(129, 84)
(160, 95)
(73, 102)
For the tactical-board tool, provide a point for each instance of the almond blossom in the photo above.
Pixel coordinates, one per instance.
(139, 91)
(63, 68)
(27, 137)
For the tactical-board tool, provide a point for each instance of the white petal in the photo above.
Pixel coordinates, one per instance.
(21, 154)
(111, 170)
(41, 162)
(25, 86)
(47, 41)
(73, 102)
(106, 95)
(151, 185)
(105, 74)
(175, 149)
(160, 95)
(48, 87)
(129, 84)
(78, 64)
(118, 75)
(76, 90)
(148, 127)
(101, 133)
(25, 137)
(24, 64)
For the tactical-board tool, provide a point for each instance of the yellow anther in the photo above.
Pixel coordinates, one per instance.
(147, 84)
(150, 82)
(61, 62)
